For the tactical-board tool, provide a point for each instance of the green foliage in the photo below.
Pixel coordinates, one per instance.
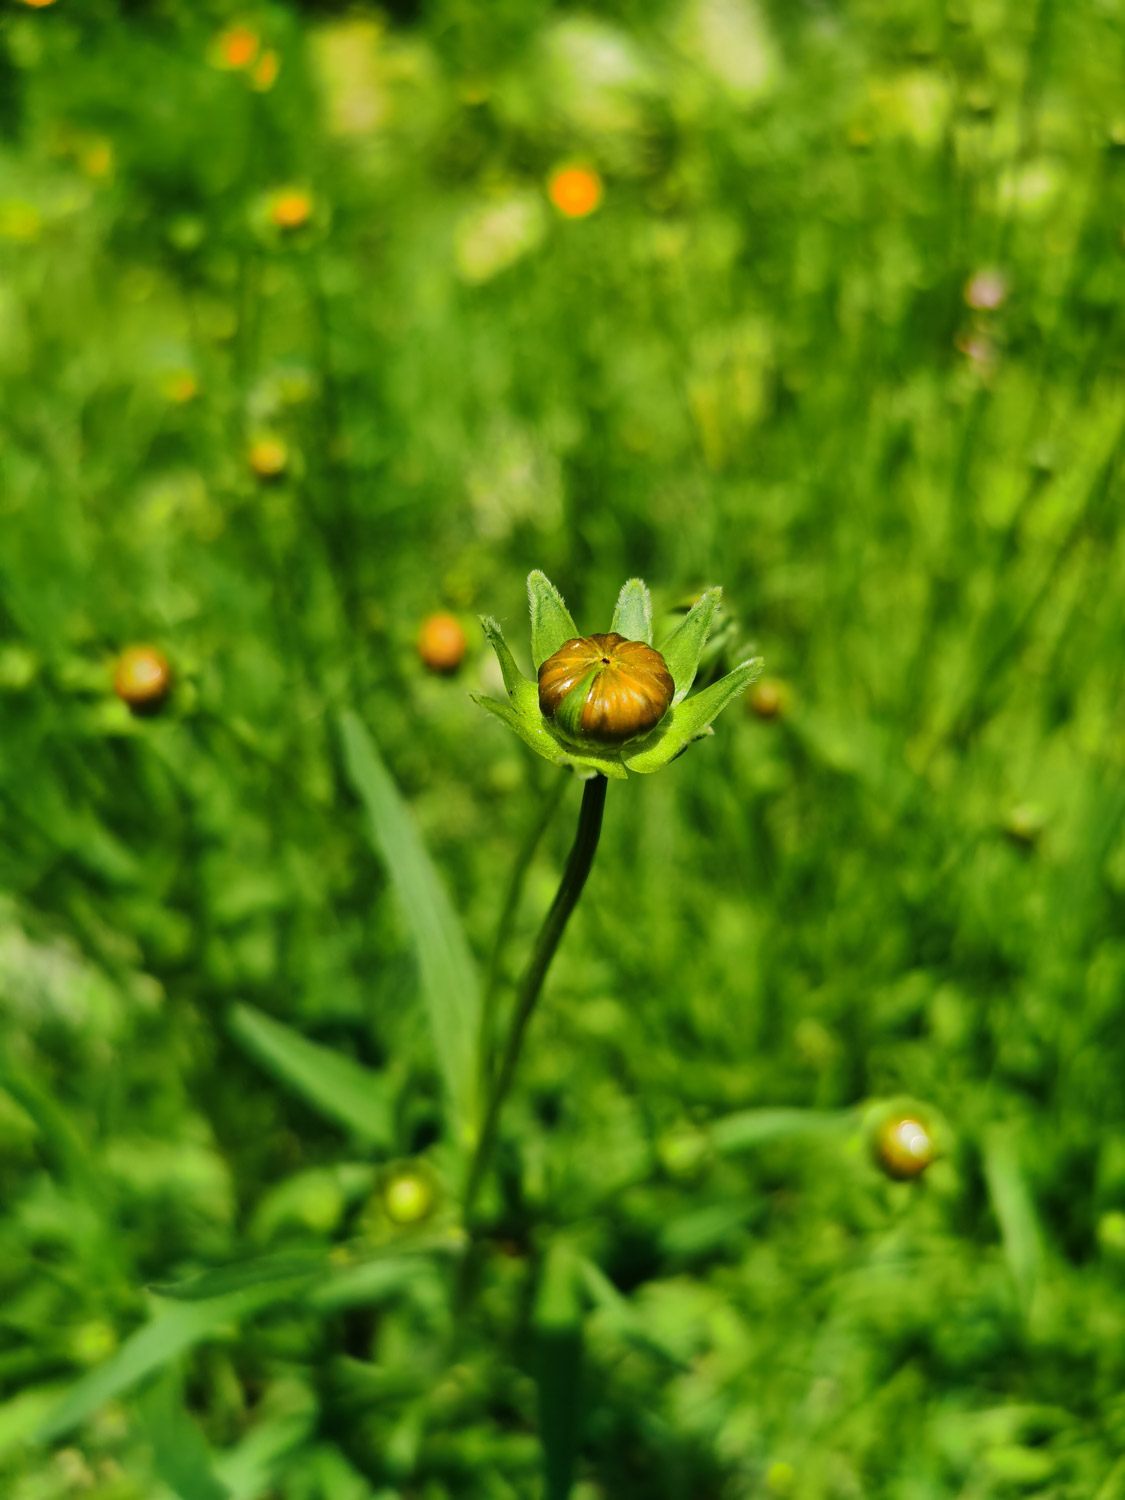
(842, 335)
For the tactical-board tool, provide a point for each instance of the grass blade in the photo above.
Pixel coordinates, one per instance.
(341, 1089)
(243, 1275)
(558, 1326)
(150, 1348)
(180, 1453)
(449, 977)
(757, 1127)
(1014, 1210)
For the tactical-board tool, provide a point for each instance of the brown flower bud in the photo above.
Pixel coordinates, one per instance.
(603, 687)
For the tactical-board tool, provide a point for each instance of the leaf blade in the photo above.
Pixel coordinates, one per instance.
(551, 623)
(682, 649)
(689, 721)
(340, 1088)
(152, 1346)
(449, 978)
(633, 616)
(262, 1270)
(559, 1336)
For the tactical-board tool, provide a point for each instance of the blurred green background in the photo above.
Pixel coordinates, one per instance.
(298, 346)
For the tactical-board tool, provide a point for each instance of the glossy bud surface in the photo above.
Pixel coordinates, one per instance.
(904, 1148)
(142, 678)
(605, 688)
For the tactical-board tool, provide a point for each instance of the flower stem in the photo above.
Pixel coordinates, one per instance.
(504, 927)
(566, 898)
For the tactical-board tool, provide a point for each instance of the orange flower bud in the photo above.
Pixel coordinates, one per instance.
(606, 688)
(441, 644)
(142, 679)
(575, 191)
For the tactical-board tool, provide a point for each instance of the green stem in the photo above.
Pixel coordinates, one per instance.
(566, 898)
(507, 918)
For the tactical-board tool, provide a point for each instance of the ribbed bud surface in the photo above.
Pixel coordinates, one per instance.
(605, 688)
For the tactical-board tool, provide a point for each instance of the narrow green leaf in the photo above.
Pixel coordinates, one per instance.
(283, 1423)
(756, 1127)
(180, 1453)
(374, 1281)
(60, 1136)
(682, 649)
(520, 689)
(689, 721)
(449, 977)
(1014, 1210)
(260, 1271)
(170, 1332)
(558, 1328)
(340, 1088)
(633, 616)
(551, 624)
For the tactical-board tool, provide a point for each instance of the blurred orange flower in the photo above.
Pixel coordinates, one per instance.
(575, 191)
(291, 208)
(237, 47)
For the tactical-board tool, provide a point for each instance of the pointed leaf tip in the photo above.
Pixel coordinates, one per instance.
(633, 616)
(682, 650)
(551, 623)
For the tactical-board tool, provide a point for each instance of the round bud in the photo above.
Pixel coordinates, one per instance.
(575, 191)
(769, 698)
(441, 643)
(269, 457)
(904, 1147)
(605, 688)
(291, 208)
(1024, 824)
(408, 1197)
(142, 679)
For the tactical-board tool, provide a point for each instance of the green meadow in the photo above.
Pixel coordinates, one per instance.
(316, 321)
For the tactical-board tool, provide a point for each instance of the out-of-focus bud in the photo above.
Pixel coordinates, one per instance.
(904, 1147)
(268, 457)
(142, 679)
(769, 698)
(409, 1196)
(575, 191)
(441, 644)
(291, 208)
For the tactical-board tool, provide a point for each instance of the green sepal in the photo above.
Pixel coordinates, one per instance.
(521, 714)
(688, 721)
(551, 624)
(535, 734)
(633, 616)
(682, 650)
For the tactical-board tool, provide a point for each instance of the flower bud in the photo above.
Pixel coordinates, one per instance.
(441, 643)
(409, 1196)
(142, 679)
(605, 688)
(904, 1148)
